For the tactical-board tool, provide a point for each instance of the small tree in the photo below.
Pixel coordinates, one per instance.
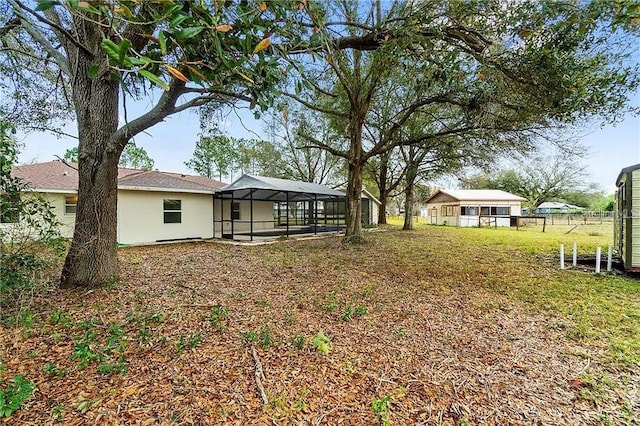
(214, 155)
(133, 156)
(538, 178)
(259, 157)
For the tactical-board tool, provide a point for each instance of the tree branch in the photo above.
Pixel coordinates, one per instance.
(60, 29)
(321, 145)
(57, 56)
(315, 107)
(165, 106)
(11, 24)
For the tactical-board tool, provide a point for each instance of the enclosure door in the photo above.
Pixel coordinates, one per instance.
(433, 216)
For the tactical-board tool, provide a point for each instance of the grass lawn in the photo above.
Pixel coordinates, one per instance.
(435, 326)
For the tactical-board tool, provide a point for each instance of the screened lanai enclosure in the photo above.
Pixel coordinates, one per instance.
(256, 207)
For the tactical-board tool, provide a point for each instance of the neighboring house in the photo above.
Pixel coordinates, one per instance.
(152, 205)
(472, 207)
(549, 207)
(155, 206)
(626, 228)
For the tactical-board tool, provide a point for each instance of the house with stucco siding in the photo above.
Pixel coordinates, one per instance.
(152, 205)
(156, 206)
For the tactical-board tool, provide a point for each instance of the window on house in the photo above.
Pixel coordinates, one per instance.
(485, 210)
(9, 212)
(235, 211)
(469, 211)
(172, 211)
(448, 210)
(70, 204)
(500, 211)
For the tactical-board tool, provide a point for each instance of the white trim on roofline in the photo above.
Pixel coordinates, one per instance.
(153, 189)
(51, 191)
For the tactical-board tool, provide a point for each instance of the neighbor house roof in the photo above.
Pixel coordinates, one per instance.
(556, 205)
(477, 195)
(58, 176)
(371, 197)
(261, 187)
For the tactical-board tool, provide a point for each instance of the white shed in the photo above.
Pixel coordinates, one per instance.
(472, 207)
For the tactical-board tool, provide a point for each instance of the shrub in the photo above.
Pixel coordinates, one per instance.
(13, 397)
(30, 238)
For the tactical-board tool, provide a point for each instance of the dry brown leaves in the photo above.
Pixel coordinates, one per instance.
(446, 350)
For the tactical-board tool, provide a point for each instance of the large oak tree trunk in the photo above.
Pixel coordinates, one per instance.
(382, 211)
(410, 179)
(353, 233)
(408, 209)
(92, 258)
(382, 188)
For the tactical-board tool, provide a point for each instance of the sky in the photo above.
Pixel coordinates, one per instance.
(171, 143)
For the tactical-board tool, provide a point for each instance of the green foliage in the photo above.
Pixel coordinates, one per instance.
(218, 317)
(350, 312)
(106, 350)
(190, 341)
(250, 336)
(60, 317)
(13, 397)
(259, 157)
(298, 341)
(537, 178)
(30, 240)
(381, 406)
(321, 342)
(263, 337)
(133, 156)
(119, 366)
(52, 369)
(58, 412)
(266, 339)
(330, 303)
(214, 155)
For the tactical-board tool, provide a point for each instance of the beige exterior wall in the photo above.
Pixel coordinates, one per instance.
(439, 218)
(68, 220)
(141, 216)
(635, 221)
(375, 209)
(262, 216)
(57, 202)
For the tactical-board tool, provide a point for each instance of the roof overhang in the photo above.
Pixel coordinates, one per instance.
(153, 189)
(625, 171)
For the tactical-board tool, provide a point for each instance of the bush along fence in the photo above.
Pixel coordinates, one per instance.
(588, 260)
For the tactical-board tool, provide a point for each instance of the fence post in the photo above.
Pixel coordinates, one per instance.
(609, 258)
(561, 256)
(598, 256)
(575, 254)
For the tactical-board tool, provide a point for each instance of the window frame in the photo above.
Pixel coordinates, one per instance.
(449, 210)
(11, 214)
(467, 211)
(171, 211)
(67, 204)
(235, 212)
(496, 209)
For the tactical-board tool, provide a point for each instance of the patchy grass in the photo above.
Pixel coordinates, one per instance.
(531, 239)
(436, 325)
